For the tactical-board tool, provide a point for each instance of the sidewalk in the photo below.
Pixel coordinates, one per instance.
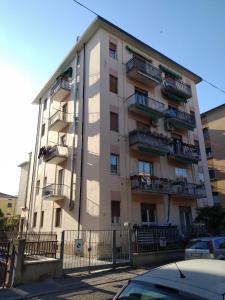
(69, 282)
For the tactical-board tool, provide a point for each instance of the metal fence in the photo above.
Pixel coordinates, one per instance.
(147, 239)
(4, 256)
(94, 249)
(41, 248)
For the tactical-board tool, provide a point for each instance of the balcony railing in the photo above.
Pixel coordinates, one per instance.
(55, 192)
(180, 119)
(176, 188)
(59, 120)
(56, 154)
(149, 143)
(146, 106)
(176, 90)
(185, 153)
(60, 89)
(143, 71)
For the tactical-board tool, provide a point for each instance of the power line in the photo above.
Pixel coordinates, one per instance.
(90, 10)
(86, 7)
(213, 85)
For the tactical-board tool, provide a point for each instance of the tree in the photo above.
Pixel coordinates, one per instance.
(213, 217)
(2, 220)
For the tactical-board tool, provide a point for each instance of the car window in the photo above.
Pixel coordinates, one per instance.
(220, 243)
(204, 245)
(136, 291)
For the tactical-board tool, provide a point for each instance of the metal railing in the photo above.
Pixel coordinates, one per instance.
(148, 139)
(60, 84)
(145, 101)
(59, 116)
(178, 87)
(55, 190)
(4, 256)
(155, 238)
(54, 151)
(145, 67)
(186, 151)
(154, 184)
(41, 248)
(181, 116)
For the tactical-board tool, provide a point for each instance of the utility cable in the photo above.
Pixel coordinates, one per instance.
(86, 7)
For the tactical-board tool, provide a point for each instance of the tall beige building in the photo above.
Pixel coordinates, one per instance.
(213, 122)
(119, 139)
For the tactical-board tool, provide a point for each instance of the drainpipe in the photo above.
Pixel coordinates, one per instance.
(34, 165)
(71, 203)
(28, 176)
(82, 148)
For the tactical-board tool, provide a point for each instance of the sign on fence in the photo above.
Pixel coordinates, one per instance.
(78, 246)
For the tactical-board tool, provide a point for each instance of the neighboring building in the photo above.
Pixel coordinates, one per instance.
(119, 139)
(213, 122)
(8, 204)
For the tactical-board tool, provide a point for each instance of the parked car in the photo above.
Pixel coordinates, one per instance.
(206, 247)
(188, 279)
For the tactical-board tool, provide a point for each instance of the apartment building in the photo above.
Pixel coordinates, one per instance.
(119, 139)
(8, 204)
(213, 122)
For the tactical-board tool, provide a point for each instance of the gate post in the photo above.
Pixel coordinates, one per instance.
(62, 246)
(114, 248)
(130, 245)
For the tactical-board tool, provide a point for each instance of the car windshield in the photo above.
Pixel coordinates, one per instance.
(204, 245)
(136, 291)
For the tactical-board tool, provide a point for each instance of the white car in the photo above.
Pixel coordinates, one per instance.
(189, 279)
(206, 247)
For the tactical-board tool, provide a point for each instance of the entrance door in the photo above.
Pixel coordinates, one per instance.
(185, 218)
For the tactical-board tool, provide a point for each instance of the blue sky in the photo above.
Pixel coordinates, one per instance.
(36, 35)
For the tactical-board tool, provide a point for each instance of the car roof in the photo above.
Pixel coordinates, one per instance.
(208, 238)
(203, 277)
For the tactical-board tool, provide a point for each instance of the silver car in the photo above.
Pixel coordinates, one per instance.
(206, 247)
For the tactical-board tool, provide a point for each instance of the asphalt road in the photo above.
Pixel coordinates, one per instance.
(99, 292)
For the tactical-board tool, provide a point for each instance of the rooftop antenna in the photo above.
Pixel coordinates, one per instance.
(181, 273)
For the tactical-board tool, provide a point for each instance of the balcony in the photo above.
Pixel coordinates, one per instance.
(185, 153)
(55, 192)
(56, 154)
(60, 90)
(176, 90)
(149, 143)
(179, 119)
(175, 188)
(59, 120)
(144, 72)
(145, 106)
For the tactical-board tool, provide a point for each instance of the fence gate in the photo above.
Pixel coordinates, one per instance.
(94, 249)
(4, 256)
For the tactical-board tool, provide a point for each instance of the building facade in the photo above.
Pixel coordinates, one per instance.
(119, 139)
(8, 205)
(213, 122)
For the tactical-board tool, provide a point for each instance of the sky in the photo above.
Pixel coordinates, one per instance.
(35, 36)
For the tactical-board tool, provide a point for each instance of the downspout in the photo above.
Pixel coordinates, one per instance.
(34, 165)
(71, 203)
(82, 148)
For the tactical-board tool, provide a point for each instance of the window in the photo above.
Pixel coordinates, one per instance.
(58, 213)
(64, 112)
(148, 213)
(43, 130)
(112, 50)
(142, 126)
(205, 133)
(220, 243)
(181, 173)
(212, 174)
(192, 113)
(113, 84)
(201, 177)
(115, 212)
(63, 140)
(114, 121)
(145, 168)
(141, 96)
(208, 151)
(45, 104)
(45, 181)
(34, 219)
(42, 218)
(114, 164)
(37, 187)
(9, 205)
